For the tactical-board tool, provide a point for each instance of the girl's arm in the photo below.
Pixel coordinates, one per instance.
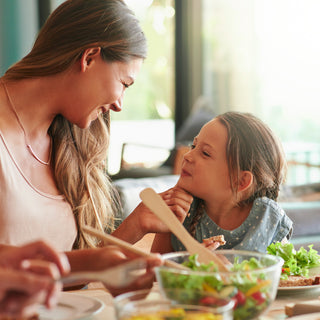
(142, 221)
(162, 243)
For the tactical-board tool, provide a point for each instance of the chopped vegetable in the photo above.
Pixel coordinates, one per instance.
(258, 287)
(296, 263)
(249, 290)
(176, 314)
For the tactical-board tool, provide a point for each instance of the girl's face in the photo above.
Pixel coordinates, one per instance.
(205, 171)
(99, 87)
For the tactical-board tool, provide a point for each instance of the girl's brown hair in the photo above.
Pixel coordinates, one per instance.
(79, 155)
(252, 146)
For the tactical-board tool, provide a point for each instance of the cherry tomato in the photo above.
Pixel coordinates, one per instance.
(259, 297)
(212, 301)
(209, 300)
(240, 299)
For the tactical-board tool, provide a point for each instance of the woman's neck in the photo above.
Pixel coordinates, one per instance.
(31, 102)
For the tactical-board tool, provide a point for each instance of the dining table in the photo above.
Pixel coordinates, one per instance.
(275, 311)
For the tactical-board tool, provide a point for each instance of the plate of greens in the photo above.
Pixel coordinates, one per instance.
(301, 268)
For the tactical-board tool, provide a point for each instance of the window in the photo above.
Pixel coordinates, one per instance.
(148, 112)
(263, 57)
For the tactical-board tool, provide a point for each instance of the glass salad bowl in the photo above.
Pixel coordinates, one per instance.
(152, 305)
(251, 283)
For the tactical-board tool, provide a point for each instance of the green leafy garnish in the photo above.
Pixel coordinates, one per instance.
(296, 263)
(193, 264)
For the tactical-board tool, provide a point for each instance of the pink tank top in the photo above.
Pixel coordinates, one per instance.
(27, 214)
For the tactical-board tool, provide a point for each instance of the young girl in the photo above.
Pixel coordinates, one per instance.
(233, 170)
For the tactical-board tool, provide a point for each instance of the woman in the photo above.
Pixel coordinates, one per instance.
(54, 129)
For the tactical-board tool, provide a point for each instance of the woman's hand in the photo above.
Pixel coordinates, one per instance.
(142, 220)
(14, 257)
(145, 279)
(27, 276)
(111, 256)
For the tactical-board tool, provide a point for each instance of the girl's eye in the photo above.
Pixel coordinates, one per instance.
(192, 146)
(125, 85)
(206, 154)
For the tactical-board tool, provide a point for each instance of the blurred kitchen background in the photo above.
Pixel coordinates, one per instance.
(206, 56)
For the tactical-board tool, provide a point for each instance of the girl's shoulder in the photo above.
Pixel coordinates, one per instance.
(270, 212)
(265, 204)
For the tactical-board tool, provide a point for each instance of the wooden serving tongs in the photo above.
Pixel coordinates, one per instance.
(128, 246)
(157, 205)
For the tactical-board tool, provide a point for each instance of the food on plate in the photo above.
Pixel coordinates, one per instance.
(297, 267)
(176, 314)
(219, 238)
(295, 281)
(249, 283)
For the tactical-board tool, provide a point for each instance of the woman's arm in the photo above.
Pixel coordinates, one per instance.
(110, 256)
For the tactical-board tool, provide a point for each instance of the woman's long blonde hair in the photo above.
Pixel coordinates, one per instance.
(79, 156)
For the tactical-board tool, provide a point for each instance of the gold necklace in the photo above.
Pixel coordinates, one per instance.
(24, 131)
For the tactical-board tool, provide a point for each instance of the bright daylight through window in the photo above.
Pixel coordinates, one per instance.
(148, 109)
(263, 57)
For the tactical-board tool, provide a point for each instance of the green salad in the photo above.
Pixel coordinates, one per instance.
(296, 263)
(249, 290)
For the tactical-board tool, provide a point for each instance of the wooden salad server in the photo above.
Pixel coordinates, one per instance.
(157, 205)
(128, 246)
(118, 277)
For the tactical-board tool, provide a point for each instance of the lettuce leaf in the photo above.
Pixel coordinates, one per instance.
(296, 263)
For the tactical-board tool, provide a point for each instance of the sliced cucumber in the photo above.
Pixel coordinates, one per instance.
(228, 291)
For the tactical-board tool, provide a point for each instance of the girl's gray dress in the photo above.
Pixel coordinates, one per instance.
(266, 223)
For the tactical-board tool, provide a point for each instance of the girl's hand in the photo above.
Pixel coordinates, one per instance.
(179, 202)
(214, 242)
(142, 220)
(212, 245)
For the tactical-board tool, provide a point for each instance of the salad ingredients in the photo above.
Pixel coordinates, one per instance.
(176, 314)
(296, 263)
(249, 290)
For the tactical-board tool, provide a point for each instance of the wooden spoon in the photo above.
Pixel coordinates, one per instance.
(156, 204)
(117, 277)
(128, 246)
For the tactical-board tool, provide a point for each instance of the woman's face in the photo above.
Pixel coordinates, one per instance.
(205, 172)
(100, 87)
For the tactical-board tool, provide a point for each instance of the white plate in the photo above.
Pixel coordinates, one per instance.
(307, 316)
(300, 289)
(315, 287)
(72, 307)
